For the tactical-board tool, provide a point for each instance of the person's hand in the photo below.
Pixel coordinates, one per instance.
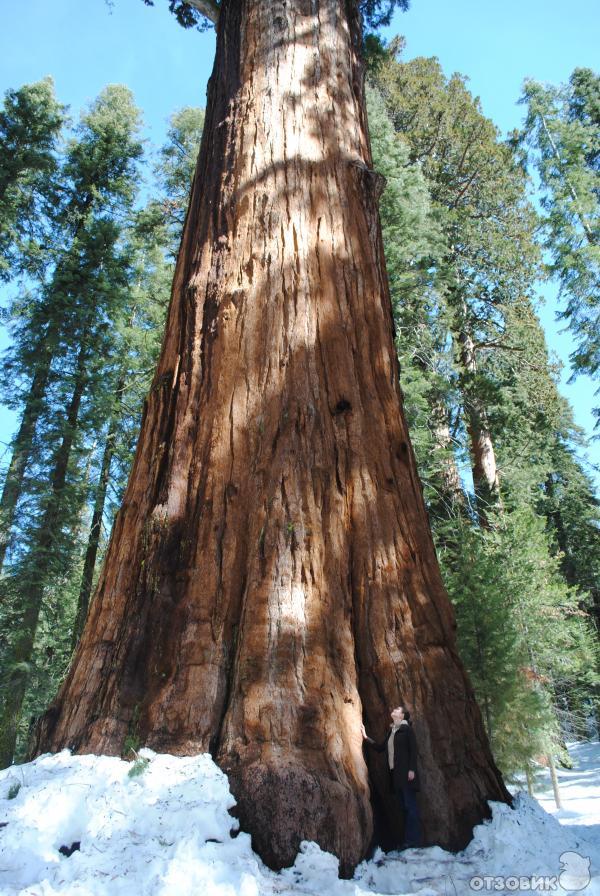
(411, 776)
(363, 732)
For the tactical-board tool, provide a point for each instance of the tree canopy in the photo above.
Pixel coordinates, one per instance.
(203, 14)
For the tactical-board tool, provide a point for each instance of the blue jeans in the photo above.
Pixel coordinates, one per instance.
(407, 798)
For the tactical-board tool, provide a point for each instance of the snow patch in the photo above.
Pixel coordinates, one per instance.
(168, 832)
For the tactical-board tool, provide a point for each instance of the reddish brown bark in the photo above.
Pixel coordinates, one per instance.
(449, 498)
(486, 480)
(271, 579)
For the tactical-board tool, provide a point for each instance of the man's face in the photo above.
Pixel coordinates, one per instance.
(397, 715)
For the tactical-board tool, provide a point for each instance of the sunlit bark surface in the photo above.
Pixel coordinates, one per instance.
(271, 580)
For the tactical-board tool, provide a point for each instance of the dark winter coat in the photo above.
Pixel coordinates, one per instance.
(405, 757)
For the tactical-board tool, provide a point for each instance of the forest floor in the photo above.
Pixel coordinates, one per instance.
(167, 832)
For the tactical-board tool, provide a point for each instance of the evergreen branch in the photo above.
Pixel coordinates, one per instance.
(562, 168)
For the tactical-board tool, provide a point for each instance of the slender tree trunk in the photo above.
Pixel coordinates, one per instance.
(23, 442)
(554, 779)
(556, 520)
(486, 481)
(271, 578)
(32, 591)
(529, 777)
(91, 553)
(22, 451)
(449, 486)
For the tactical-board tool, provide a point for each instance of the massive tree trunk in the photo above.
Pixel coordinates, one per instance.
(271, 579)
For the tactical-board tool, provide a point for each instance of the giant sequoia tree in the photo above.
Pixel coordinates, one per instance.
(271, 579)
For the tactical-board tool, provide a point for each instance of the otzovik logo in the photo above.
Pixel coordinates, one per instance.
(574, 876)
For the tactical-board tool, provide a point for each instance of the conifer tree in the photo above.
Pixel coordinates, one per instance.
(414, 249)
(153, 239)
(562, 129)
(473, 177)
(62, 345)
(30, 124)
(95, 177)
(174, 171)
(483, 289)
(128, 366)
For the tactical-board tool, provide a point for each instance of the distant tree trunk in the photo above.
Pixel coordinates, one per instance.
(271, 578)
(567, 565)
(91, 553)
(529, 777)
(556, 520)
(32, 591)
(451, 495)
(554, 779)
(22, 451)
(486, 481)
(23, 443)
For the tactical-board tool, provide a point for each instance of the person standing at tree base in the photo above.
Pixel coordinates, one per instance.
(401, 748)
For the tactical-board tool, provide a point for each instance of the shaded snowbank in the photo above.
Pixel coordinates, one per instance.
(168, 832)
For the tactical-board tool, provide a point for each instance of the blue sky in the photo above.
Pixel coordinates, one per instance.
(86, 45)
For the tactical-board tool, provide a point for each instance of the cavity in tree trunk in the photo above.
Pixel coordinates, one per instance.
(271, 579)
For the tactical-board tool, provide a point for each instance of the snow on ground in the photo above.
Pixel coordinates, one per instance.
(167, 832)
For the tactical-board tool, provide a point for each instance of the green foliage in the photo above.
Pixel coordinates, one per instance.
(375, 13)
(174, 171)
(139, 766)
(572, 509)
(60, 363)
(30, 124)
(414, 246)
(86, 333)
(482, 274)
(562, 131)
(474, 364)
(187, 15)
(521, 632)
(13, 791)
(378, 13)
